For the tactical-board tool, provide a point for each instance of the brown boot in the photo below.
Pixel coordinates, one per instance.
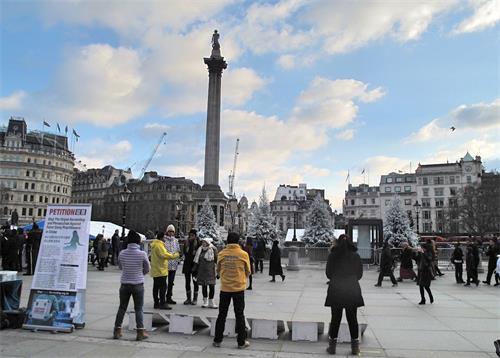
(117, 333)
(355, 347)
(332, 346)
(141, 334)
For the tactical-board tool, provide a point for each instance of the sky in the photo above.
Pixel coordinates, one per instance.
(315, 90)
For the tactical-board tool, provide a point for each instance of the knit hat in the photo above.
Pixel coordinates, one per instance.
(207, 239)
(170, 228)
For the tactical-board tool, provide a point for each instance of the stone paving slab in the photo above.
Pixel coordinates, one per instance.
(463, 321)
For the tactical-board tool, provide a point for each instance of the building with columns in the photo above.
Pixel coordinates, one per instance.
(36, 169)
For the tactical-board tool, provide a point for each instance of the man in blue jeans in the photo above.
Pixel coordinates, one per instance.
(233, 267)
(134, 264)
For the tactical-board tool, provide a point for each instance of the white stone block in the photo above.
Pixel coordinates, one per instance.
(181, 324)
(306, 331)
(147, 319)
(264, 328)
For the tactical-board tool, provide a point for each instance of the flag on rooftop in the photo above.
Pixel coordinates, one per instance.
(76, 134)
(58, 128)
(46, 124)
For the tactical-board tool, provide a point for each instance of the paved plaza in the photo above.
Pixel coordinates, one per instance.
(463, 321)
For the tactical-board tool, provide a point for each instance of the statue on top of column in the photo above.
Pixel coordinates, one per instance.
(215, 44)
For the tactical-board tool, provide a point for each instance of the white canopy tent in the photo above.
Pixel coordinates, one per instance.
(107, 229)
(300, 232)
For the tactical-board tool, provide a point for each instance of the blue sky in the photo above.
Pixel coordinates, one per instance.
(313, 89)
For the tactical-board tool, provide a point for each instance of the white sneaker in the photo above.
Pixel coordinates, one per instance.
(211, 304)
(205, 303)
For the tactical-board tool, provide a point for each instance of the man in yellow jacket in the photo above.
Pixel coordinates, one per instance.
(159, 271)
(233, 267)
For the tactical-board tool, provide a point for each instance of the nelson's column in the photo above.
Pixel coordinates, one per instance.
(211, 188)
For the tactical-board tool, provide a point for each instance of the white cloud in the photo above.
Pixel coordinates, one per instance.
(287, 62)
(97, 153)
(347, 25)
(240, 84)
(486, 14)
(13, 101)
(431, 130)
(193, 172)
(348, 134)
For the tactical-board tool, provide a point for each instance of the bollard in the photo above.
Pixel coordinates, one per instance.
(293, 258)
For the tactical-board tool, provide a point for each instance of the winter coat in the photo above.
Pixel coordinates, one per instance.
(189, 251)
(275, 262)
(115, 243)
(492, 253)
(159, 259)
(457, 257)
(344, 270)
(172, 246)
(206, 269)
(102, 248)
(406, 258)
(259, 252)
(425, 275)
(386, 261)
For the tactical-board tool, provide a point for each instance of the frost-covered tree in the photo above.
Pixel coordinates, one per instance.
(261, 222)
(207, 224)
(319, 231)
(397, 225)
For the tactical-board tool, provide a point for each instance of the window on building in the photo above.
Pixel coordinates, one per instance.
(399, 179)
(452, 180)
(453, 191)
(28, 160)
(439, 214)
(373, 201)
(426, 202)
(397, 189)
(427, 227)
(25, 197)
(32, 198)
(387, 202)
(438, 180)
(40, 212)
(407, 189)
(32, 186)
(426, 214)
(407, 201)
(452, 202)
(352, 212)
(425, 181)
(425, 191)
(27, 173)
(40, 199)
(30, 211)
(23, 212)
(26, 186)
(439, 202)
(469, 179)
(352, 201)
(387, 189)
(364, 201)
(438, 191)
(388, 180)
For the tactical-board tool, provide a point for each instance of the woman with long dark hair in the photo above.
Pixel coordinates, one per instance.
(425, 273)
(275, 267)
(344, 270)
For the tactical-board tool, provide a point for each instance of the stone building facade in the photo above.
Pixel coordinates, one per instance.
(402, 184)
(36, 169)
(362, 202)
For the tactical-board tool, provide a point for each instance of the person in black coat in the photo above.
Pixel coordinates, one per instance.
(425, 272)
(344, 270)
(259, 253)
(472, 261)
(275, 263)
(457, 259)
(188, 268)
(115, 247)
(386, 264)
(406, 267)
(493, 251)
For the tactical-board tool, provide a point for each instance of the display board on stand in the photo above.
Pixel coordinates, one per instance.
(57, 297)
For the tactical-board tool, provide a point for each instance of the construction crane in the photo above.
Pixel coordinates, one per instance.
(152, 154)
(230, 193)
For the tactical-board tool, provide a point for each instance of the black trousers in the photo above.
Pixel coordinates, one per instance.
(239, 313)
(30, 267)
(422, 295)
(170, 285)
(208, 290)
(188, 277)
(459, 270)
(472, 275)
(159, 289)
(491, 269)
(381, 277)
(259, 265)
(352, 321)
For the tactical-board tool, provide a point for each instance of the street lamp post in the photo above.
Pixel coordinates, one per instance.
(124, 196)
(178, 208)
(417, 211)
(295, 214)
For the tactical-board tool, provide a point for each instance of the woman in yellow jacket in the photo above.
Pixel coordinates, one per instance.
(159, 271)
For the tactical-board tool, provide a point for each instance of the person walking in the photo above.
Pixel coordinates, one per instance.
(386, 266)
(134, 265)
(248, 247)
(159, 271)
(435, 259)
(344, 270)
(95, 257)
(406, 267)
(259, 254)
(275, 267)
(115, 247)
(493, 251)
(189, 250)
(425, 273)
(172, 245)
(205, 262)
(102, 251)
(471, 262)
(457, 259)
(233, 267)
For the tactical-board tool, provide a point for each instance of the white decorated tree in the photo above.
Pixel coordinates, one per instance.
(397, 228)
(319, 231)
(207, 224)
(261, 222)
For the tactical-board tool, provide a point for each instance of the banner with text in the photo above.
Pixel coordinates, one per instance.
(57, 298)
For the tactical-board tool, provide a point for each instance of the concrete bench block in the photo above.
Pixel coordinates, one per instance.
(344, 335)
(147, 318)
(229, 328)
(305, 331)
(265, 328)
(181, 324)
